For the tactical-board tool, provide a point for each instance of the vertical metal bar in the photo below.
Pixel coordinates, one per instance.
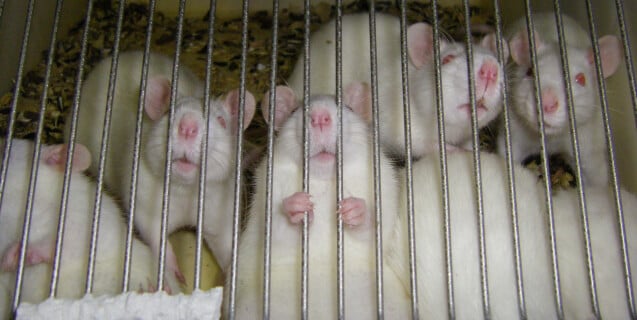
(201, 203)
(238, 167)
(509, 165)
(97, 209)
(163, 239)
(476, 165)
(340, 256)
(444, 175)
(71, 148)
(16, 94)
(40, 128)
(306, 162)
(630, 69)
(576, 156)
(137, 147)
(45, 91)
(376, 162)
(612, 162)
(267, 250)
(545, 169)
(408, 160)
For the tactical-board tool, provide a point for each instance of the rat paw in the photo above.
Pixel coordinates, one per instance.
(296, 205)
(10, 258)
(353, 211)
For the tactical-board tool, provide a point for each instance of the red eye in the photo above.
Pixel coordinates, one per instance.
(448, 58)
(580, 78)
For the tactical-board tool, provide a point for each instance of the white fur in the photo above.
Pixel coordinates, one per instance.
(74, 260)
(356, 67)
(184, 186)
(359, 242)
(534, 242)
(524, 124)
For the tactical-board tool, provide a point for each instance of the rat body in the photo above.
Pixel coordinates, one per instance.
(289, 203)
(523, 119)
(534, 243)
(111, 239)
(188, 132)
(422, 99)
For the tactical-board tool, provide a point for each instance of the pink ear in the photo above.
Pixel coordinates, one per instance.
(358, 96)
(231, 104)
(610, 52)
(157, 97)
(489, 42)
(285, 104)
(420, 43)
(55, 156)
(519, 46)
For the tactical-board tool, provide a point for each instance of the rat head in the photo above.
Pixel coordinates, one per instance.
(188, 132)
(455, 77)
(323, 127)
(583, 80)
(51, 168)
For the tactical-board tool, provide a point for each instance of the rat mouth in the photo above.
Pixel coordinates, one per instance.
(184, 165)
(480, 108)
(324, 156)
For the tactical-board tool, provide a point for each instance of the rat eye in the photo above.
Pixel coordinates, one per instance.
(529, 72)
(446, 59)
(580, 78)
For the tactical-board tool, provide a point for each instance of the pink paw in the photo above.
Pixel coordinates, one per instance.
(34, 255)
(353, 211)
(10, 258)
(296, 205)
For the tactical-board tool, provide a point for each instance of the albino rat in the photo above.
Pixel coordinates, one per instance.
(77, 236)
(524, 124)
(289, 202)
(357, 66)
(534, 241)
(189, 128)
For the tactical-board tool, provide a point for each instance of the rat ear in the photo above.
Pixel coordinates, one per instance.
(610, 52)
(490, 42)
(285, 104)
(157, 97)
(358, 96)
(55, 156)
(520, 47)
(231, 105)
(420, 43)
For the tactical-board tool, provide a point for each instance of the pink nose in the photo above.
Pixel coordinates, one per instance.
(488, 71)
(188, 127)
(321, 119)
(550, 103)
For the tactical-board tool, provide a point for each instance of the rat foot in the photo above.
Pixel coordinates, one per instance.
(296, 205)
(353, 211)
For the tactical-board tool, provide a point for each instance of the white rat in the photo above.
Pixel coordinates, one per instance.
(187, 134)
(534, 242)
(289, 203)
(424, 126)
(523, 119)
(43, 232)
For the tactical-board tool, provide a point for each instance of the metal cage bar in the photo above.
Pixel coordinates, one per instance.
(132, 204)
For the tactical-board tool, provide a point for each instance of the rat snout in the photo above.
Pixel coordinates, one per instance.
(487, 76)
(321, 119)
(188, 127)
(550, 102)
